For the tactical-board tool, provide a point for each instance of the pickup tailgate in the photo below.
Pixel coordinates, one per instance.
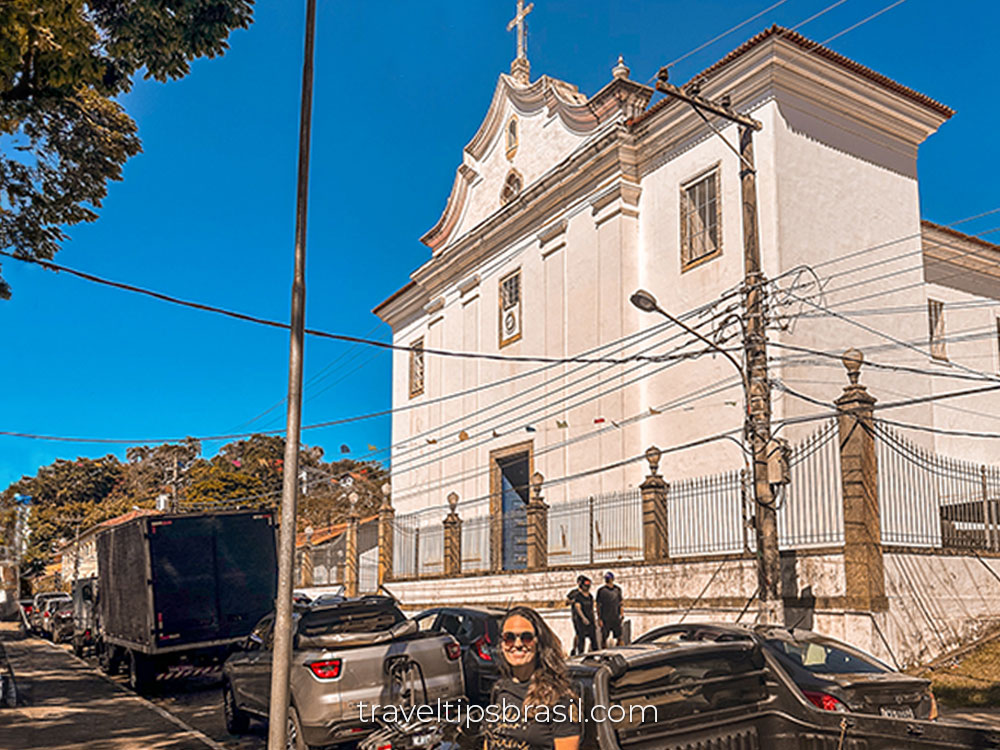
(422, 668)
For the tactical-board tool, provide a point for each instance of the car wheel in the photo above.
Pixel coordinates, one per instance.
(237, 722)
(140, 672)
(293, 738)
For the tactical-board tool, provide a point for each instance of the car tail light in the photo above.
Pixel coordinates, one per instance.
(452, 650)
(825, 701)
(384, 746)
(480, 645)
(326, 670)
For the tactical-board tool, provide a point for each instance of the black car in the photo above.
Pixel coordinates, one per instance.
(477, 630)
(831, 674)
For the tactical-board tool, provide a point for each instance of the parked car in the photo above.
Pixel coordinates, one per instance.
(477, 630)
(54, 612)
(833, 675)
(38, 604)
(344, 652)
(84, 614)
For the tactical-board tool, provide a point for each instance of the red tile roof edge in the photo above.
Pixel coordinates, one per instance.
(959, 235)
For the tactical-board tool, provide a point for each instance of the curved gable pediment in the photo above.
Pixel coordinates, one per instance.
(553, 118)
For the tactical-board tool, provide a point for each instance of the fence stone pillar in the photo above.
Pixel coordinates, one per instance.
(452, 538)
(385, 519)
(538, 526)
(864, 571)
(654, 511)
(351, 549)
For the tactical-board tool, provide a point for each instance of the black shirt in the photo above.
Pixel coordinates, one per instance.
(609, 604)
(586, 602)
(533, 729)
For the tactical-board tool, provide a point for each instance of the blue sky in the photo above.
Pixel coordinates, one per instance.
(206, 213)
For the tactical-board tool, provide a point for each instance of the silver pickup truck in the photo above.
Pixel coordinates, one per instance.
(345, 652)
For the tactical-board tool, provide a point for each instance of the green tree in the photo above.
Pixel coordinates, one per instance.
(63, 495)
(62, 134)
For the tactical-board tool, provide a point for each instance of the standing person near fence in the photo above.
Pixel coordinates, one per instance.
(610, 611)
(581, 603)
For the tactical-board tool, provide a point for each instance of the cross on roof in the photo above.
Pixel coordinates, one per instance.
(518, 21)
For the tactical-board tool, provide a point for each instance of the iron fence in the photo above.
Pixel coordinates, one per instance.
(930, 500)
(596, 529)
(706, 515)
(475, 544)
(811, 512)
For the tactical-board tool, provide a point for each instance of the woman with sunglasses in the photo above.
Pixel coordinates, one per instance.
(533, 698)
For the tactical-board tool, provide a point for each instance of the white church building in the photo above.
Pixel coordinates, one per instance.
(564, 204)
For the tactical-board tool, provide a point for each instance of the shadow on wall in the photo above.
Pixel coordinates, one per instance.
(800, 606)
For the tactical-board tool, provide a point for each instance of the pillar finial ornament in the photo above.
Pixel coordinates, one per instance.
(452, 501)
(653, 457)
(621, 70)
(853, 359)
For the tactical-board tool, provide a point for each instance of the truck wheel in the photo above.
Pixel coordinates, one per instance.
(140, 672)
(293, 739)
(237, 722)
(78, 646)
(108, 657)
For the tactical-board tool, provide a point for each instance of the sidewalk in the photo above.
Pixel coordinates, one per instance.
(66, 705)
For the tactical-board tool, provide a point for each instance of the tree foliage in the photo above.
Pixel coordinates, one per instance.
(63, 136)
(244, 473)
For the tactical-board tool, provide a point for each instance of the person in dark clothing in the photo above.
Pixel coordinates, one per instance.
(610, 611)
(581, 603)
(538, 709)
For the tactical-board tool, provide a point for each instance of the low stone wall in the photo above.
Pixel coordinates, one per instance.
(706, 588)
(936, 601)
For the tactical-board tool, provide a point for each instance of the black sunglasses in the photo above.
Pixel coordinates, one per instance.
(509, 638)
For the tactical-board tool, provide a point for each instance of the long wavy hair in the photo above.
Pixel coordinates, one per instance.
(550, 681)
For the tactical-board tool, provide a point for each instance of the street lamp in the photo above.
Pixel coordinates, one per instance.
(647, 303)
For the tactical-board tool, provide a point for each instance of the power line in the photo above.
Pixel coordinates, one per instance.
(466, 424)
(862, 22)
(726, 33)
(312, 331)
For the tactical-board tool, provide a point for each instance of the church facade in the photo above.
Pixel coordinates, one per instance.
(563, 205)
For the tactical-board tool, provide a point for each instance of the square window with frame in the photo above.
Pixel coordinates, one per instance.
(417, 367)
(701, 219)
(935, 325)
(510, 308)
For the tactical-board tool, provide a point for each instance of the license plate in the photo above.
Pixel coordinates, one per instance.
(897, 712)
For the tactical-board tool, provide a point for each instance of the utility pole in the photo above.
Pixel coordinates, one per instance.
(757, 385)
(278, 724)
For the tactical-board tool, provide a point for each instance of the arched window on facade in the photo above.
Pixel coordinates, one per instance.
(512, 137)
(511, 187)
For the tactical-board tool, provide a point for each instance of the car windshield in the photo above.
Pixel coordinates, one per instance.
(822, 656)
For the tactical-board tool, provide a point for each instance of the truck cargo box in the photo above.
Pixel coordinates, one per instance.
(168, 582)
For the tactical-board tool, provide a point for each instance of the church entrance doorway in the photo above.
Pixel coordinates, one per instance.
(511, 470)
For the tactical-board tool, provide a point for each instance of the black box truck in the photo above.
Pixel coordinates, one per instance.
(176, 590)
